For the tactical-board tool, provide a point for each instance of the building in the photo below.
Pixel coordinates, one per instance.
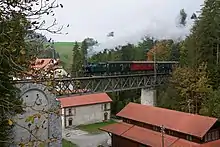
(143, 125)
(44, 65)
(85, 109)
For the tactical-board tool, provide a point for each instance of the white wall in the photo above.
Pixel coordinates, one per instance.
(62, 117)
(59, 72)
(87, 114)
(148, 97)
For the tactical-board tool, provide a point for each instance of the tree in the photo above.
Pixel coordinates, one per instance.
(211, 105)
(192, 86)
(195, 86)
(15, 25)
(77, 59)
(204, 41)
(163, 50)
(40, 46)
(127, 52)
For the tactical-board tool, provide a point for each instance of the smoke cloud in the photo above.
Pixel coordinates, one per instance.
(130, 20)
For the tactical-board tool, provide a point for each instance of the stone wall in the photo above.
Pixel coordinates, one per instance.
(41, 121)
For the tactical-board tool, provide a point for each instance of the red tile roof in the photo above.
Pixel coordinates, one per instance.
(195, 125)
(84, 100)
(45, 63)
(215, 143)
(146, 136)
(117, 128)
(41, 63)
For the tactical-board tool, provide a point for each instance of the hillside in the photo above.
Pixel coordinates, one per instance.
(65, 51)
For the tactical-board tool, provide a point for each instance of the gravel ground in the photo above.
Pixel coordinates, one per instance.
(83, 139)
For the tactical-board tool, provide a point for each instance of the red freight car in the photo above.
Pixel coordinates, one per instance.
(141, 67)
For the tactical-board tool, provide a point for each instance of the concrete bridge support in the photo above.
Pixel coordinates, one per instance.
(148, 97)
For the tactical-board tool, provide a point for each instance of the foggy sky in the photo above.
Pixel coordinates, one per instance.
(129, 19)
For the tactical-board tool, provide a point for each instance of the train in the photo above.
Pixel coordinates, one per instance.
(129, 67)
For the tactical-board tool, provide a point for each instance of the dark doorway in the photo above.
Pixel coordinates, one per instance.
(70, 121)
(105, 116)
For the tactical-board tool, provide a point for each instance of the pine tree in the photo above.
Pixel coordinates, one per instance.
(202, 43)
(75, 61)
(84, 51)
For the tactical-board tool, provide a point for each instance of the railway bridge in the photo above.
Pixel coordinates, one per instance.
(63, 87)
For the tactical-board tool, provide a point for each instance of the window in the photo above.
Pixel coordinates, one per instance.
(70, 121)
(209, 136)
(215, 135)
(155, 128)
(70, 111)
(170, 132)
(206, 138)
(128, 121)
(105, 107)
(189, 137)
(140, 124)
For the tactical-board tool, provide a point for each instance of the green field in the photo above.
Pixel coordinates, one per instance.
(66, 143)
(65, 51)
(94, 128)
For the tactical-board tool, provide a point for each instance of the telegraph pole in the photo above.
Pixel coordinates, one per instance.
(162, 134)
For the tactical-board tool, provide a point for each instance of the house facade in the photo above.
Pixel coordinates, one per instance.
(85, 109)
(143, 126)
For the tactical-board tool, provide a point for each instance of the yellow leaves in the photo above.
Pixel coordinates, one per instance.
(22, 51)
(10, 122)
(162, 50)
(30, 144)
(38, 115)
(21, 144)
(191, 84)
(14, 50)
(49, 83)
(32, 117)
(42, 144)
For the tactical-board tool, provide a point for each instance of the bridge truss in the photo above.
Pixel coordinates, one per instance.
(63, 87)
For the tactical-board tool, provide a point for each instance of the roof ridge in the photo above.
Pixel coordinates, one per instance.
(127, 129)
(171, 110)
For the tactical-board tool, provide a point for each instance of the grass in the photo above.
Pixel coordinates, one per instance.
(65, 51)
(94, 128)
(66, 143)
(64, 47)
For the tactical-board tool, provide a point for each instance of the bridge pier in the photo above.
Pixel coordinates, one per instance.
(148, 97)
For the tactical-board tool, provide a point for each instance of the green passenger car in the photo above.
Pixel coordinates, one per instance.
(99, 68)
(118, 68)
